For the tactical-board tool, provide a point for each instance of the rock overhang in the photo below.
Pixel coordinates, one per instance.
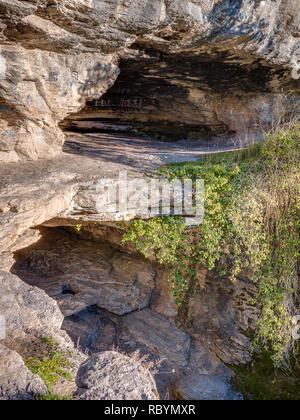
(58, 55)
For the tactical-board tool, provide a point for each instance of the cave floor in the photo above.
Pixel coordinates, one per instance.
(95, 154)
(141, 153)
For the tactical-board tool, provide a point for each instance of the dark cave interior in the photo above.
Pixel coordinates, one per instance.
(182, 96)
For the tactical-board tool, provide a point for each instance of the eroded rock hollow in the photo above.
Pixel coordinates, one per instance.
(189, 95)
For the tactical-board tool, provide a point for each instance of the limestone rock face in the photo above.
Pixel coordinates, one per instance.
(162, 300)
(16, 381)
(157, 333)
(207, 378)
(29, 195)
(39, 89)
(220, 315)
(190, 95)
(25, 307)
(113, 376)
(84, 328)
(195, 69)
(54, 56)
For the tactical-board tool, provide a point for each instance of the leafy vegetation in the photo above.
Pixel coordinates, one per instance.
(49, 366)
(78, 227)
(252, 207)
(166, 238)
(260, 381)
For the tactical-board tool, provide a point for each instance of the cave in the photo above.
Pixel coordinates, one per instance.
(188, 100)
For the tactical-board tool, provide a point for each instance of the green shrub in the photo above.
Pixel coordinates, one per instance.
(164, 238)
(260, 381)
(50, 366)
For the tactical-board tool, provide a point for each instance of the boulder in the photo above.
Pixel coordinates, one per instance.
(29, 315)
(26, 307)
(113, 376)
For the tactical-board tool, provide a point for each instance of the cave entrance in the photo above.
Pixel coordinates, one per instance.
(190, 99)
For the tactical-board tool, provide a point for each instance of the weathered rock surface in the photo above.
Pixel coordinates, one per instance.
(207, 378)
(90, 273)
(16, 381)
(38, 89)
(188, 96)
(80, 273)
(204, 387)
(75, 270)
(30, 195)
(58, 192)
(113, 376)
(157, 333)
(30, 345)
(219, 316)
(25, 307)
(102, 331)
(55, 56)
(84, 328)
(203, 362)
(162, 300)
